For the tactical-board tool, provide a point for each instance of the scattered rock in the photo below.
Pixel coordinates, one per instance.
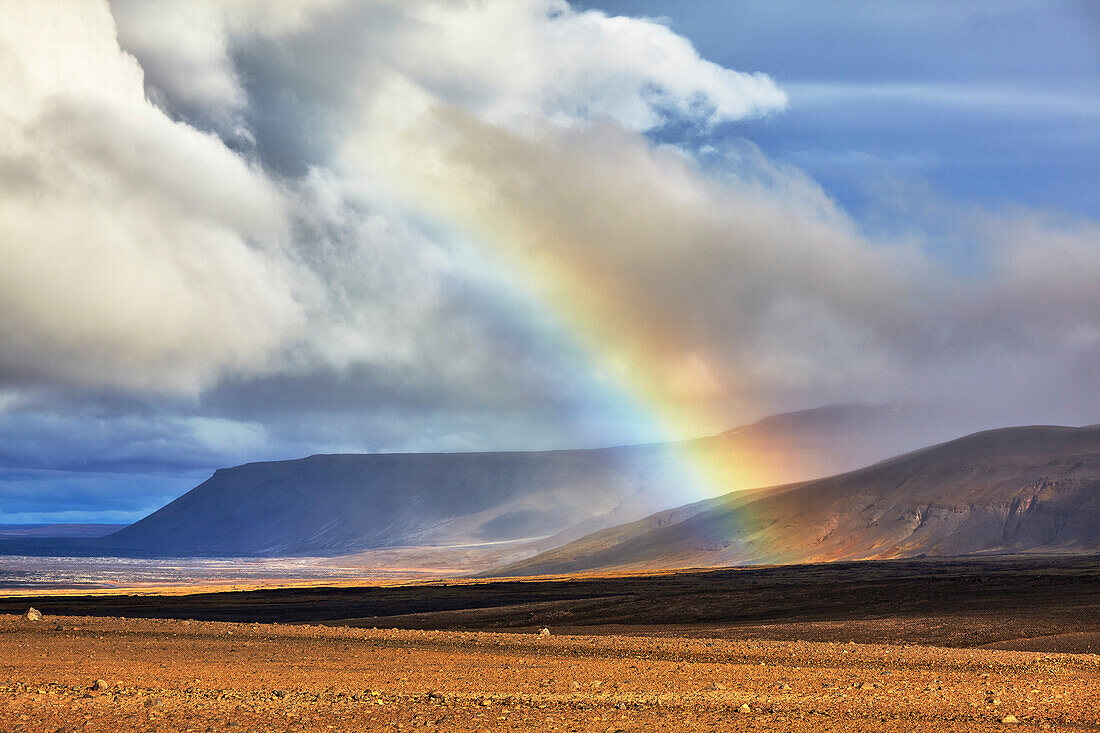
(33, 614)
(279, 693)
(154, 702)
(437, 695)
(1009, 720)
(543, 631)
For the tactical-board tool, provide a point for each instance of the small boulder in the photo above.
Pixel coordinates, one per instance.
(543, 631)
(1009, 720)
(99, 685)
(32, 614)
(745, 708)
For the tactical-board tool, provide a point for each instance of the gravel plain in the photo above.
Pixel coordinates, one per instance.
(181, 675)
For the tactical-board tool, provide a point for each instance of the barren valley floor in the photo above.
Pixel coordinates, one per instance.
(914, 645)
(216, 676)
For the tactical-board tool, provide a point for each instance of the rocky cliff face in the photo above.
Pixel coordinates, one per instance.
(1030, 489)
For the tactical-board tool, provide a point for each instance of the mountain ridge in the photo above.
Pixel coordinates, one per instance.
(332, 504)
(1021, 489)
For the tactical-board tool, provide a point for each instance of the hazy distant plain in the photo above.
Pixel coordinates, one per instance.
(21, 572)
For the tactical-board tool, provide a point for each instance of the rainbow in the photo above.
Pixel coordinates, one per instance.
(627, 341)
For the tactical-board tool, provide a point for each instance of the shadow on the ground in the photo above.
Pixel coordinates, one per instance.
(1049, 603)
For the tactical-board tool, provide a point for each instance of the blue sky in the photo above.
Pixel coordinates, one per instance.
(988, 103)
(237, 233)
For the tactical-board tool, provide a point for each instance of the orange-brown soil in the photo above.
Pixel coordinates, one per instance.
(209, 676)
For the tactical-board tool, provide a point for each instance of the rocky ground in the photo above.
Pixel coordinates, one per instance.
(184, 675)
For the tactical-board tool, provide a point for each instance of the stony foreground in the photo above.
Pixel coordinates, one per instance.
(205, 676)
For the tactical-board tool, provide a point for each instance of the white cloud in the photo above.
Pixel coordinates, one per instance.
(183, 47)
(138, 253)
(185, 51)
(67, 51)
(384, 280)
(135, 252)
(745, 275)
(564, 66)
(756, 281)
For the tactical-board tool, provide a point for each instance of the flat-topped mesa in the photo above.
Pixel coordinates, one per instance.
(336, 504)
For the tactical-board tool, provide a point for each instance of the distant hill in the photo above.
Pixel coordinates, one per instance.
(1027, 489)
(337, 504)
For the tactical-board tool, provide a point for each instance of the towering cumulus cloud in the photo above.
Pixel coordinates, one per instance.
(136, 251)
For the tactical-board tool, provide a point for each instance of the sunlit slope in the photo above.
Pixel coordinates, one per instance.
(1027, 489)
(335, 504)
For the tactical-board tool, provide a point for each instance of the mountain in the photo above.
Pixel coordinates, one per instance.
(1027, 489)
(332, 504)
(338, 504)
